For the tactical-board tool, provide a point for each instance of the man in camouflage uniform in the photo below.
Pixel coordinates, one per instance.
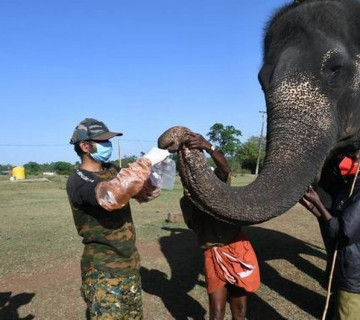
(110, 263)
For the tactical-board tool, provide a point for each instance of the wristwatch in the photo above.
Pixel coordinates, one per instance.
(212, 149)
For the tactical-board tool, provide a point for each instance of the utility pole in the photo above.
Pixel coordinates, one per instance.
(119, 150)
(260, 142)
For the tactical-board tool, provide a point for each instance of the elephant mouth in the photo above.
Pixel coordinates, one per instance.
(171, 147)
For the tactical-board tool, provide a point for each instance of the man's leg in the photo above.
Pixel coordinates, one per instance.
(109, 297)
(348, 305)
(238, 302)
(217, 303)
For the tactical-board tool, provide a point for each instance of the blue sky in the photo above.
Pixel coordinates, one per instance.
(140, 66)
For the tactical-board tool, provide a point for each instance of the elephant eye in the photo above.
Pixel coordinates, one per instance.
(334, 75)
(335, 68)
(337, 75)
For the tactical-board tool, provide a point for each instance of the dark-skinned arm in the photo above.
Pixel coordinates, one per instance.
(197, 141)
(312, 202)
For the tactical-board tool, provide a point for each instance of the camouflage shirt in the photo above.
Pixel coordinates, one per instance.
(109, 237)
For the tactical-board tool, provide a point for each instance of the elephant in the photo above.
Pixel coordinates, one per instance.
(310, 77)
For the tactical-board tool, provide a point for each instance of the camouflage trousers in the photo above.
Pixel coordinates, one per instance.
(112, 298)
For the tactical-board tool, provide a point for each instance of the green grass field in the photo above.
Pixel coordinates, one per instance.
(40, 252)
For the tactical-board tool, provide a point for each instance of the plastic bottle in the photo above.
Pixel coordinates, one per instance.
(163, 174)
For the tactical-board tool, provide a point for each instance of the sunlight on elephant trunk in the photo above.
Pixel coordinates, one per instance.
(297, 146)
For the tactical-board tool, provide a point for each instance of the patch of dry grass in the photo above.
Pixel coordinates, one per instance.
(40, 252)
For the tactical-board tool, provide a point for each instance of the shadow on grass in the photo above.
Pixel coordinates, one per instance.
(271, 245)
(185, 260)
(9, 305)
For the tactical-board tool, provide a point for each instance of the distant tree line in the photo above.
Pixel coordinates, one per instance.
(33, 168)
(242, 157)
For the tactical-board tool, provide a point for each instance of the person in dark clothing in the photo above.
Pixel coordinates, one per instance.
(342, 224)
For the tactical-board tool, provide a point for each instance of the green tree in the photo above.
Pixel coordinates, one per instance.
(32, 168)
(47, 167)
(5, 168)
(249, 152)
(126, 160)
(63, 168)
(225, 138)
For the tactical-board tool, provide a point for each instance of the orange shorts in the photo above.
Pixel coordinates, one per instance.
(235, 263)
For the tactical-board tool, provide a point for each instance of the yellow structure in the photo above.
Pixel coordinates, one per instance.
(18, 173)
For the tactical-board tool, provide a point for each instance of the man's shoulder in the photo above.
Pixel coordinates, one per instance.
(78, 178)
(81, 175)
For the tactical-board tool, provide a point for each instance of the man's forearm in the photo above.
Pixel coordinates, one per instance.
(117, 192)
(325, 214)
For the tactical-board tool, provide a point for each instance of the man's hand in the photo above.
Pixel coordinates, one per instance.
(312, 196)
(312, 202)
(197, 141)
(308, 205)
(147, 193)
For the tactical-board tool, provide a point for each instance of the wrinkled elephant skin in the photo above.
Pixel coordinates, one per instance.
(310, 78)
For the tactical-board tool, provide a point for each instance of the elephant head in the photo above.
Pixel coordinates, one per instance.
(311, 80)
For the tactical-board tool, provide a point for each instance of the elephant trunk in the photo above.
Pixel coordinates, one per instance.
(300, 135)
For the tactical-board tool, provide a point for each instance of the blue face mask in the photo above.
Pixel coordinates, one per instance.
(103, 151)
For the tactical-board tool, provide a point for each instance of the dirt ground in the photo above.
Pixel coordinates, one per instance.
(40, 253)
